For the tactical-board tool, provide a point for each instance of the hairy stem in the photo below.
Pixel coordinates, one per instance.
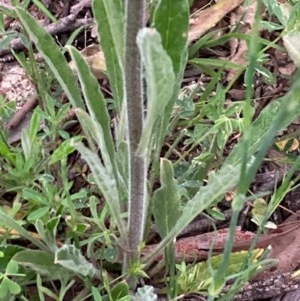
(135, 10)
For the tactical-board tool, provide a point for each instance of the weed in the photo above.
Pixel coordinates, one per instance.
(86, 237)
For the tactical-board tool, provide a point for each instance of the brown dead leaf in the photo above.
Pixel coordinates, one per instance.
(237, 94)
(208, 18)
(289, 69)
(95, 59)
(286, 249)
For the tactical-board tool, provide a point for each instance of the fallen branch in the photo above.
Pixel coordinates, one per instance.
(75, 9)
(68, 23)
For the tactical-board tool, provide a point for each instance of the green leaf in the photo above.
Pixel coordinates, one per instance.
(216, 214)
(110, 21)
(259, 137)
(270, 78)
(5, 150)
(171, 19)
(41, 262)
(45, 11)
(34, 196)
(269, 117)
(9, 222)
(252, 152)
(216, 63)
(218, 184)
(12, 267)
(119, 291)
(26, 144)
(280, 10)
(48, 231)
(34, 125)
(53, 57)
(71, 258)
(7, 287)
(66, 148)
(94, 134)
(160, 80)
(96, 294)
(8, 252)
(5, 10)
(13, 287)
(38, 213)
(4, 289)
(166, 200)
(217, 285)
(107, 185)
(200, 277)
(94, 99)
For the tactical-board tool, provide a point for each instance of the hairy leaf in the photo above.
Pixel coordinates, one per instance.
(71, 258)
(110, 20)
(94, 99)
(53, 56)
(218, 184)
(160, 80)
(166, 200)
(40, 261)
(171, 20)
